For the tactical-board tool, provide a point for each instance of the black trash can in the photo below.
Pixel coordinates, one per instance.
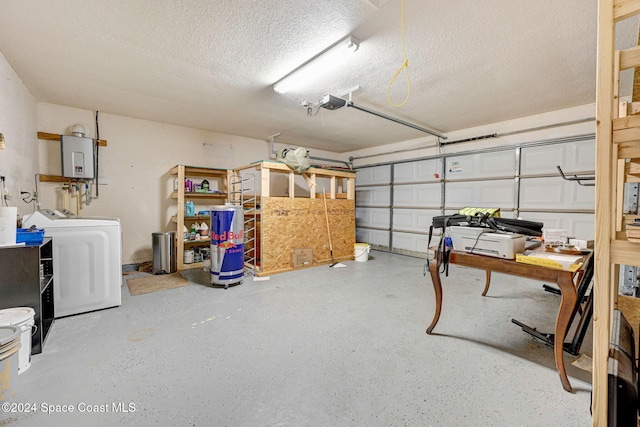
(164, 253)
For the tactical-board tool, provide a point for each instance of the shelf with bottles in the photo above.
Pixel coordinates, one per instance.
(194, 190)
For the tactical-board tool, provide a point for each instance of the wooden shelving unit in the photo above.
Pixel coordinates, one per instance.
(617, 159)
(298, 221)
(202, 202)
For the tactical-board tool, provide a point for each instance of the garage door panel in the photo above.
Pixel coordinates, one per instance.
(581, 226)
(555, 193)
(424, 170)
(412, 242)
(373, 175)
(417, 195)
(373, 196)
(481, 194)
(486, 165)
(413, 219)
(572, 156)
(372, 217)
(377, 238)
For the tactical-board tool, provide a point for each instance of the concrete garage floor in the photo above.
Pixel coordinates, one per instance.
(314, 347)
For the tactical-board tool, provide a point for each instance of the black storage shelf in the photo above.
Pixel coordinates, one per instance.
(27, 280)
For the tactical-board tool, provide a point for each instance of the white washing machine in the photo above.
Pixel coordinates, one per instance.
(87, 261)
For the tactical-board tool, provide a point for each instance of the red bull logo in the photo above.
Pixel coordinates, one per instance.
(225, 236)
(226, 245)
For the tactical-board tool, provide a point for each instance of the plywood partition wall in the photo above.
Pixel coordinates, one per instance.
(289, 223)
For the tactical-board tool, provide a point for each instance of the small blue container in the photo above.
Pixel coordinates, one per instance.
(34, 236)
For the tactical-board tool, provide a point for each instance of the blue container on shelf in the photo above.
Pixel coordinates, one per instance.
(30, 236)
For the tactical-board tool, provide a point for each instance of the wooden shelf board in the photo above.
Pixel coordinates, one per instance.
(624, 252)
(200, 171)
(56, 137)
(197, 242)
(57, 178)
(194, 195)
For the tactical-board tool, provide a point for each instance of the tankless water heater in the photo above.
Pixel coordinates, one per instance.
(77, 156)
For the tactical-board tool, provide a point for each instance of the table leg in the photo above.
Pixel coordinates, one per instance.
(437, 287)
(567, 304)
(486, 284)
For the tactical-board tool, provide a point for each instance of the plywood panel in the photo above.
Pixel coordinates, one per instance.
(630, 308)
(301, 223)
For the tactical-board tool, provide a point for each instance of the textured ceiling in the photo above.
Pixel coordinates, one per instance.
(211, 64)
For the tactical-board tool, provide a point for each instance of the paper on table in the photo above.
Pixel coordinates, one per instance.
(551, 260)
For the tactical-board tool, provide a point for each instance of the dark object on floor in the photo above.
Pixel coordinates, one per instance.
(623, 375)
(585, 311)
(146, 267)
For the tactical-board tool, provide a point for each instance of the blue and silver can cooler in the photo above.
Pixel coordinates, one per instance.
(227, 244)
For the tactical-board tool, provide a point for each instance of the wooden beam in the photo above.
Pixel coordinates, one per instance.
(292, 184)
(630, 58)
(628, 150)
(265, 182)
(56, 137)
(622, 9)
(603, 301)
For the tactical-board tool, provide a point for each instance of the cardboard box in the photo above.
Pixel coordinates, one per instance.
(301, 257)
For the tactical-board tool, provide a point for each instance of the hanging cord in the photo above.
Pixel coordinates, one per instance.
(404, 66)
(3, 192)
(97, 159)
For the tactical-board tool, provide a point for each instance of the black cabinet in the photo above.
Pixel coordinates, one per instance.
(26, 280)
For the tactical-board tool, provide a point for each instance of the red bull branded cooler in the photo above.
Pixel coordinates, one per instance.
(227, 245)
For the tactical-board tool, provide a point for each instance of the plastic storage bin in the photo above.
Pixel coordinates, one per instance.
(24, 235)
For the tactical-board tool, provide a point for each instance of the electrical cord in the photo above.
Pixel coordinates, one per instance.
(3, 191)
(477, 240)
(404, 66)
(27, 197)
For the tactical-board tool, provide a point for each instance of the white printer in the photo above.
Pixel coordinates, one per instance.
(485, 241)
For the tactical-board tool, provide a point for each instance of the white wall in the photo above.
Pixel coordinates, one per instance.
(135, 163)
(423, 147)
(18, 164)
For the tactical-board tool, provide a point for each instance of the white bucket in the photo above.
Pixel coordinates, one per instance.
(23, 319)
(361, 251)
(9, 346)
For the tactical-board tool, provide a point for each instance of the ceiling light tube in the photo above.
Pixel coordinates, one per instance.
(316, 66)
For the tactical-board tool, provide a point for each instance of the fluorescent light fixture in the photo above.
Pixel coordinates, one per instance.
(317, 66)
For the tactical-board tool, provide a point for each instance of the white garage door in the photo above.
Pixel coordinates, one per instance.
(396, 203)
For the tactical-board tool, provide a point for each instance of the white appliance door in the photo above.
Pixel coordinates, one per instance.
(87, 270)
